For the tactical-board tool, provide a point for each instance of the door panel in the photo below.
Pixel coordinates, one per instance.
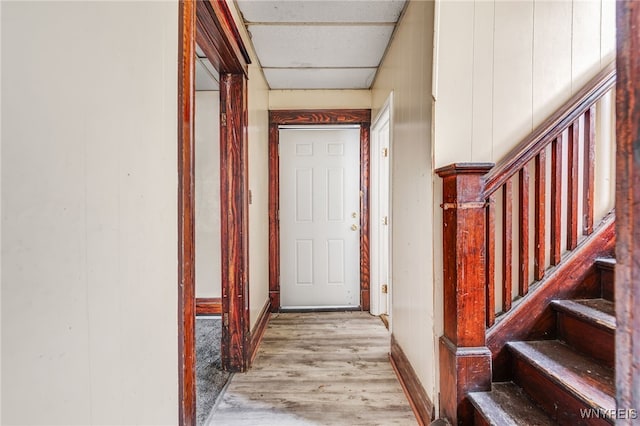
(319, 217)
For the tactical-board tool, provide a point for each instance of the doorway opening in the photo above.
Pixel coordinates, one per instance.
(381, 213)
(361, 118)
(211, 24)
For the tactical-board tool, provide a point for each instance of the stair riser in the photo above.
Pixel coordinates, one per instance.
(555, 401)
(479, 419)
(587, 338)
(606, 281)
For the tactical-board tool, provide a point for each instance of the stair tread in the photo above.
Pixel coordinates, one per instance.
(507, 404)
(583, 377)
(597, 311)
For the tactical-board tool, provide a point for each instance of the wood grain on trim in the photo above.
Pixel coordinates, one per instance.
(422, 406)
(627, 270)
(462, 346)
(258, 330)
(365, 172)
(186, 203)
(274, 218)
(208, 306)
(315, 117)
(234, 222)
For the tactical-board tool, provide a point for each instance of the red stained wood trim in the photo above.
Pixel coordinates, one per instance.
(186, 203)
(523, 231)
(274, 220)
(491, 261)
(572, 186)
(234, 208)
(422, 406)
(539, 260)
(220, 39)
(589, 169)
(556, 200)
(208, 306)
(464, 280)
(365, 171)
(507, 245)
(627, 271)
(551, 128)
(211, 23)
(315, 117)
(532, 318)
(320, 116)
(258, 330)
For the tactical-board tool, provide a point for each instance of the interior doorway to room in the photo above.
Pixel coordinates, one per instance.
(320, 217)
(212, 25)
(210, 376)
(380, 213)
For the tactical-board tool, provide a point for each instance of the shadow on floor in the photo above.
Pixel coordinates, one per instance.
(210, 379)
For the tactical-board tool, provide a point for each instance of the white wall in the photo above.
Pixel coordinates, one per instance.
(207, 177)
(259, 186)
(89, 195)
(406, 71)
(319, 99)
(501, 68)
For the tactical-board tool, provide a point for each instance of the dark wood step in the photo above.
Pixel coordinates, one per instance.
(589, 326)
(562, 381)
(606, 271)
(506, 405)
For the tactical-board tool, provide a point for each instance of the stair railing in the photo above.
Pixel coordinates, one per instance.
(480, 265)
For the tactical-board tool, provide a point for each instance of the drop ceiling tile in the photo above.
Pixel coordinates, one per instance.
(321, 11)
(337, 78)
(285, 46)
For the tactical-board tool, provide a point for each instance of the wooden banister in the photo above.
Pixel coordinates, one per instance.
(544, 134)
(478, 274)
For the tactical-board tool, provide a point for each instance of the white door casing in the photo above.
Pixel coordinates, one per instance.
(380, 213)
(319, 217)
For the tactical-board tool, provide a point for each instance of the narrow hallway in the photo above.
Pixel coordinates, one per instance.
(318, 369)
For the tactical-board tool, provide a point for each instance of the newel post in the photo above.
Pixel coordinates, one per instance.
(465, 361)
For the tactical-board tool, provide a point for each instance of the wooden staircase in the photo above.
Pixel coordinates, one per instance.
(529, 323)
(565, 380)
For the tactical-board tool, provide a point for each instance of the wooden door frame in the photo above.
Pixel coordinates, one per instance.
(386, 109)
(316, 117)
(211, 23)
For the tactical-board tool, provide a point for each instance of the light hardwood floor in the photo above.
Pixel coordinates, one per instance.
(318, 369)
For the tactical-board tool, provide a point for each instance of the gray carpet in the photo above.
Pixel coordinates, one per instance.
(210, 379)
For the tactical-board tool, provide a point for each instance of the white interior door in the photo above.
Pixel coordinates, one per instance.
(380, 213)
(319, 217)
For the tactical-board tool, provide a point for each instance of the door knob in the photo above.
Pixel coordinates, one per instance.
(354, 227)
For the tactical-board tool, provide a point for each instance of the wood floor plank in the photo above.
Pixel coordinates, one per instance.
(318, 369)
